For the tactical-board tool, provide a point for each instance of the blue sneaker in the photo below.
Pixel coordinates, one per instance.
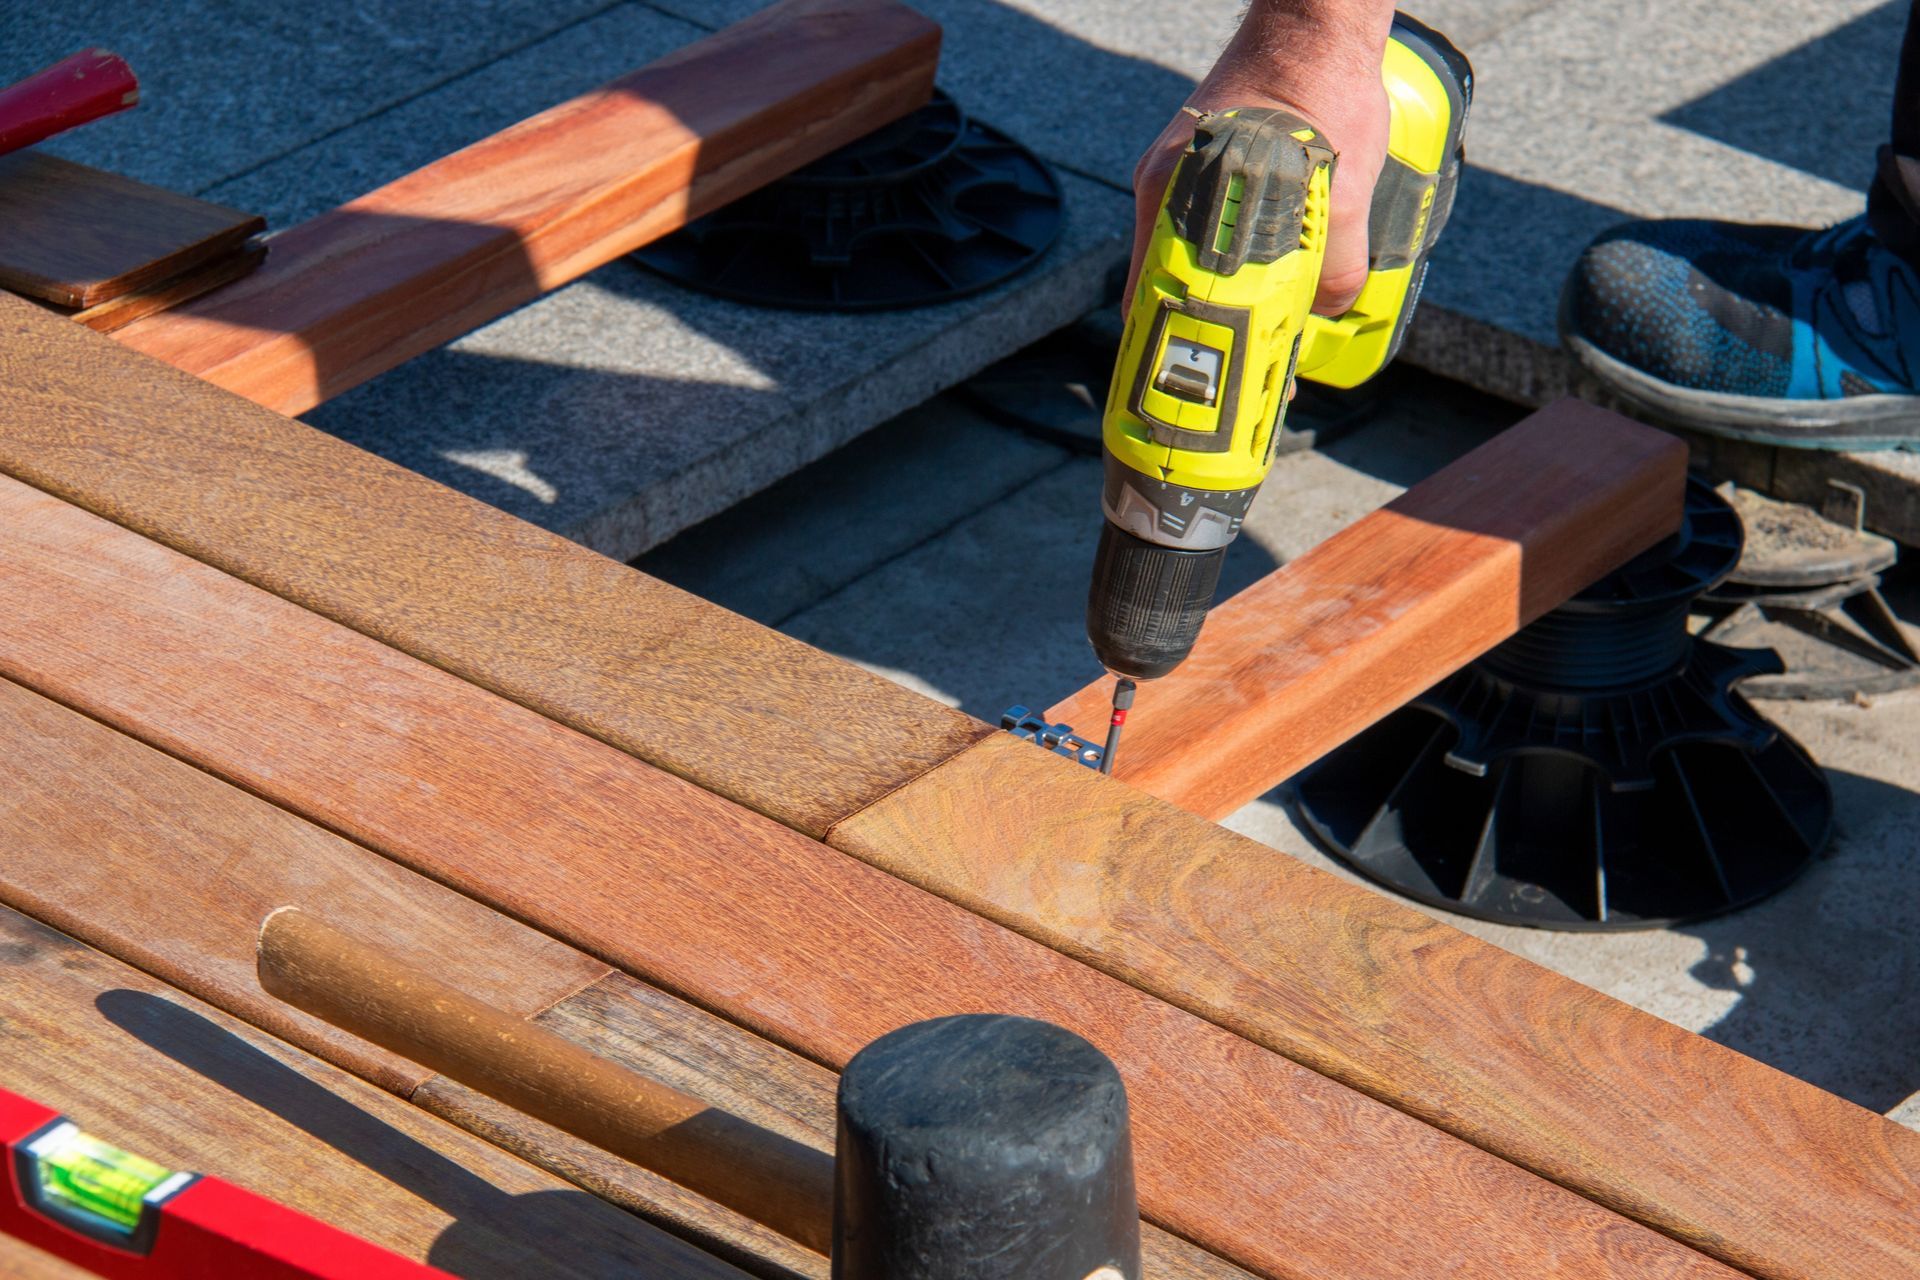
(1773, 334)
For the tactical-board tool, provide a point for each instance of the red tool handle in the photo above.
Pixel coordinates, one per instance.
(90, 84)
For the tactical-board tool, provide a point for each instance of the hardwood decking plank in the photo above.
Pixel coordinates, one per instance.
(1766, 1172)
(1241, 1151)
(1332, 641)
(769, 722)
(426, 258)
(171, 870)
(158, 834)
(154, 1070)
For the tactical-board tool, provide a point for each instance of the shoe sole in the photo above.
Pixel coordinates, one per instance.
(1855, 423)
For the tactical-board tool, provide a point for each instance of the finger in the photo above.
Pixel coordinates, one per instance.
(1345, 270)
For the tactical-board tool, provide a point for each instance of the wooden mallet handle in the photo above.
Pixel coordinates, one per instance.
(362, 989)
(90, 84)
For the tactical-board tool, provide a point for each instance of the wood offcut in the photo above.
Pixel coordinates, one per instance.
(77, 236)
(1334, 640)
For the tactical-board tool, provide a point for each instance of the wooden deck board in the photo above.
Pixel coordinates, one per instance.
(20, 1261)
(151, 1069)
(426, 258)
(1764, 1171)
(766, 721)
(1240, 1150)
(172, 871)
(1332, 641)
(156, 833)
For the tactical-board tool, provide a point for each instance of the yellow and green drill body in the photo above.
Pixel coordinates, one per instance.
(1221, 322)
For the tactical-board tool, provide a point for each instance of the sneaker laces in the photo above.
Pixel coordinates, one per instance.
(1840, 254)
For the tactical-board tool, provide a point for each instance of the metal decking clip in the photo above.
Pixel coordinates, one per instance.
(1057, 738)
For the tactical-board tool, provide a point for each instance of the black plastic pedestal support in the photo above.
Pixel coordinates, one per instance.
(1599, 770)
(984, 1147)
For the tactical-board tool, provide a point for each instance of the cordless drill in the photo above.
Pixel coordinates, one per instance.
(1221, 323)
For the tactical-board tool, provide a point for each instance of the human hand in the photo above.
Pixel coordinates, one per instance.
(1319, 59)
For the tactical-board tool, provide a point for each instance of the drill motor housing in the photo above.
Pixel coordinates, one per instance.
(1221, 322)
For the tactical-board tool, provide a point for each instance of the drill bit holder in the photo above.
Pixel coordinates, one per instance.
(1596, 771)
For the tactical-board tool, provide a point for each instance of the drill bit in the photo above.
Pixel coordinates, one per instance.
(1122, 701)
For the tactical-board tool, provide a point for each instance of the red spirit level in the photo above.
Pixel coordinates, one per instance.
(121, 1215)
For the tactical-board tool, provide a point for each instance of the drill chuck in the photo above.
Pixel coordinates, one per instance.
(1148, 602)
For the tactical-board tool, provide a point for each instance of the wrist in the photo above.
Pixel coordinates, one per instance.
(1339, 38)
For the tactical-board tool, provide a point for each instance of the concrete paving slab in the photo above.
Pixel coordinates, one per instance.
(462, 110)
(892, 490)
(1590, 111)
(229, 86)
(1089, 83)
(623, 409)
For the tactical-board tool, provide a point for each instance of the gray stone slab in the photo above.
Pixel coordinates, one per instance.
(1089, 83)
(989, 615)
(465, 109)
(622, 409)
(834, 522)
(1574, 127)
(1907, 1112)
(230, 85)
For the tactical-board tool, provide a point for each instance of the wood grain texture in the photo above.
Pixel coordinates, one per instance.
(733, 1238)
(77, 236)
(1332, 641)
(167, 869)
(764, 720)
(710, 1058)
(21, 1261)
(1762, 1170)
(1239, 1150)
(171, 870)
(149, 1068)
(117, 313)
(363, 988)
(422, 260)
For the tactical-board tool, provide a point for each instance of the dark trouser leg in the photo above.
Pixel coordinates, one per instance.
(1893, 202)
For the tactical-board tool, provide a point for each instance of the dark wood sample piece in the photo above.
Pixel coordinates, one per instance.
(78, 236)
